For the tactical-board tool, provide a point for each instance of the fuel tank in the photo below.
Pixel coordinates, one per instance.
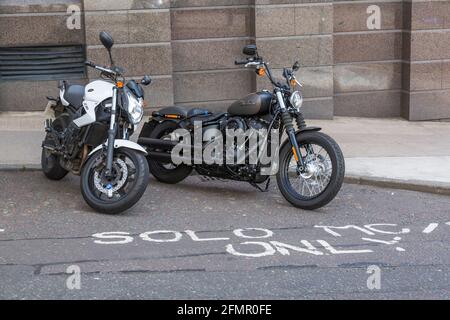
(253, 104)
(98, 90)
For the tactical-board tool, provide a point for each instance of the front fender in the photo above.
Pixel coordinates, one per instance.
(298, 132)
(120, 143)
(308, 129)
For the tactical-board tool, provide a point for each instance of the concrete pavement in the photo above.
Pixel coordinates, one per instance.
(386, 152)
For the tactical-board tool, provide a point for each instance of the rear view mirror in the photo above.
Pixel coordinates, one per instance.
(296, 66)
(250, 50)
(106, 40)
(146, 80)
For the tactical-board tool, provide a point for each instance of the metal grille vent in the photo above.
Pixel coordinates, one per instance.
(42, 63)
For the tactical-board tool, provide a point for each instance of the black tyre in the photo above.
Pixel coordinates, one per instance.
(121, 190)
(323, 176)
(51, 166)
(166, 172)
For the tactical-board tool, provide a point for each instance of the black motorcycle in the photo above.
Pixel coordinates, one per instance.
(310, 167)
(88, 134)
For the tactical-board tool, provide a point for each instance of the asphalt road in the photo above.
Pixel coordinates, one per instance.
(242, 244)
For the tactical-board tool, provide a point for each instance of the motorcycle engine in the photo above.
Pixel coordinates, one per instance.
(64, 135)
(236, 123)
(257, 124)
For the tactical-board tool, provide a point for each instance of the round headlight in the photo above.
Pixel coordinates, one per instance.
(296, 100)
(135, 108)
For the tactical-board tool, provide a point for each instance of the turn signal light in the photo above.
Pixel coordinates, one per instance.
(119, 84)
(261, 72)
(293, 83)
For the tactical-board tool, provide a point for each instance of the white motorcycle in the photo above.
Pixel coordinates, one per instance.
(88, 135)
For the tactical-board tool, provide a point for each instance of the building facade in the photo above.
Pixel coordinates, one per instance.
(380, 58)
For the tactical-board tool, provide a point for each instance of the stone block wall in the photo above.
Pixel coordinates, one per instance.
(401, 68)
(367, 62)
(299, 30)
(142, 35)
(426, 54)
(34, 23)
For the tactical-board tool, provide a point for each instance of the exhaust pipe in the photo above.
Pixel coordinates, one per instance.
(167, 157)
(164, 144)
(157, 143)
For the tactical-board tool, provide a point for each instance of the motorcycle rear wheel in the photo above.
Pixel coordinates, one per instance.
(166, 172)
(51, 166)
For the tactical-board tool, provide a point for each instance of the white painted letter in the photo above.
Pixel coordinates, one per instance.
(283, 248)
(194, 237)
(268, 250)
(112, 235)
(146, 236)
(332, 250)
(239, 233)
(328, 229)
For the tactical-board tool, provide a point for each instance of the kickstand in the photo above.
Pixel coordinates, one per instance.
(266, 188)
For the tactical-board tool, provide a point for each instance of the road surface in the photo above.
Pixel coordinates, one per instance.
(220, 240)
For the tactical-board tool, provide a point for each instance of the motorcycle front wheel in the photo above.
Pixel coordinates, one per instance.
(121, 189)
(323, 174)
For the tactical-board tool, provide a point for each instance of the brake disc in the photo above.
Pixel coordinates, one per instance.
(109, 188)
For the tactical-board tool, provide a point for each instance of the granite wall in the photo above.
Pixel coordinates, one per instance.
(34, 23)
(401, 68)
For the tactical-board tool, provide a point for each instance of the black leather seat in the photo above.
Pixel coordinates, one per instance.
(198, 112)
(74, 95)
(195, 114)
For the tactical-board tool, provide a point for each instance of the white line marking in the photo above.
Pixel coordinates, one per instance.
(430, 227)
(382, 241)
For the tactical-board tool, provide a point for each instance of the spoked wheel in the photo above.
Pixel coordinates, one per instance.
(119, 190)
(166, 172)
(323, 174)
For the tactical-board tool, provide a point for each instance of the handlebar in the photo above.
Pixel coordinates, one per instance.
(240, 62)
(102, 69)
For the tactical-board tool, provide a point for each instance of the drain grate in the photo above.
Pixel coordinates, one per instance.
(42, 63)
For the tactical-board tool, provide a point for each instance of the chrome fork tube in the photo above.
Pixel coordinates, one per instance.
(290, 130)
(111, 133)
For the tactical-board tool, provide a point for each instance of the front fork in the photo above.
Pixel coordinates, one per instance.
(290, 130)
(287, 121)
(111, 134)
